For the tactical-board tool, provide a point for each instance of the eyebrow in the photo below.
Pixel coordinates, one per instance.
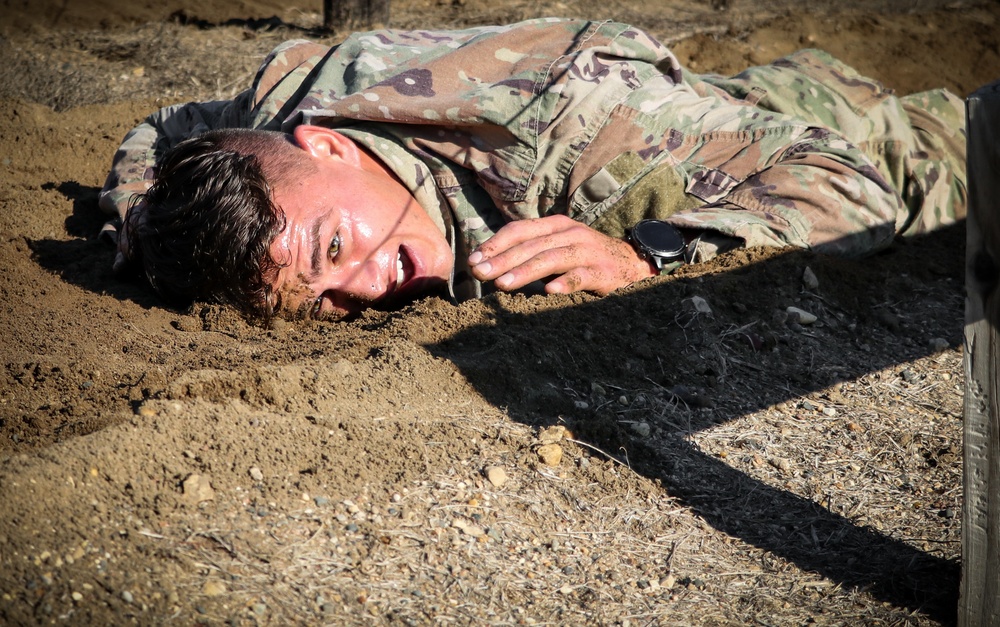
(314, 270)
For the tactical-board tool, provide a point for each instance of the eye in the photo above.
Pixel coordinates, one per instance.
(334, 250)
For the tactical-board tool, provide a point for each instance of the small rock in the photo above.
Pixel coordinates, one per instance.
(938, 344)
(781, 464)
(198, 488)
(698, 305)
(550, 454)
(829, 411)
(127, 596)
(496, 475)
(800, 316)
(581, 404)
(552, 434)
(908, 375)
(320, 501)
(641, 429)
(468, 528)
(598, 389)
(256, 474)
(567, 589)
(855, 427)
(888, 319)
(668, 582)
(77, 596)
(809, 279)
(213, 588)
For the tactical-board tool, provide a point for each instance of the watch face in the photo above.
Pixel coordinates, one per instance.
(659, 238)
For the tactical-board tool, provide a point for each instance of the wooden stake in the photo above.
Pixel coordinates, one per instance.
(355, 14)
(979, 603)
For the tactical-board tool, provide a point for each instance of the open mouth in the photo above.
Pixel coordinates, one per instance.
(404, 269)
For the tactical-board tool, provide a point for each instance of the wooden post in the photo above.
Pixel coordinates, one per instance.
(979, 604)
(354, 14)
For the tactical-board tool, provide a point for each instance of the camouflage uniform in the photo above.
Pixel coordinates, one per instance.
(598, 120)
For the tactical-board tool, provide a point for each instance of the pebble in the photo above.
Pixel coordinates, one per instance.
(550, 454)
(77, 596)
(320, 501)
(581, 404)
(697, 304)
(938, 344)
(781, 464)
(256, 474)
(127, 596)
(198, 488)
(213, 588)
(552, 434)
(567, 589)
(641, 429)
(888, 319)
(801, 316)
(468, 528)
(496, 475)
(809, 279)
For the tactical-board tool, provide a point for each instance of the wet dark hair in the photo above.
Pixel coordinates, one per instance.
(209, 219)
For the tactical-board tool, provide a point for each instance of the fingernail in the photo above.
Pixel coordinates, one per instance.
(504, 280)
(484, 268)
(475, 257)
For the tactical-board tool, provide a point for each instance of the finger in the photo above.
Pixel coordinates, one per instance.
(580, 279)
(518, 232)
(523, 246)
(547, 262)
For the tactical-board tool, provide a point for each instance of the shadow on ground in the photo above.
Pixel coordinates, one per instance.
(739, 359)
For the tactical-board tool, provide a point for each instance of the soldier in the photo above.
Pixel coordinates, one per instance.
(579, 154)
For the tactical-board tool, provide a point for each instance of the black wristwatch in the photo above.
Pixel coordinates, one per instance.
(657, 241)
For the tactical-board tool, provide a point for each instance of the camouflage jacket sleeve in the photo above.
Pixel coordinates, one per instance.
(817, 191)
(133, 164)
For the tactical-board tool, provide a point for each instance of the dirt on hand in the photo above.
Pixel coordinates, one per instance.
(770, 438)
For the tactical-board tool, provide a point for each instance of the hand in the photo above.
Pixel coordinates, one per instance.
(579, 257)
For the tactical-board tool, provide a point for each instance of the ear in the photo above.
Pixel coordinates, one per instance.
(323, 143)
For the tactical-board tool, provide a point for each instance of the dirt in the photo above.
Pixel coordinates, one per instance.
(720, 466)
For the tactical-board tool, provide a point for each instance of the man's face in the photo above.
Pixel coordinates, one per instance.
(354, 237)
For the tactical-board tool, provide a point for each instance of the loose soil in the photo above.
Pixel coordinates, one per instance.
(681, 452)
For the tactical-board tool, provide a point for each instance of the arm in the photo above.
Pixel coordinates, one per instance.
(819, 193)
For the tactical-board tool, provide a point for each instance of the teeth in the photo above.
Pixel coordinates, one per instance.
(399, 269)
